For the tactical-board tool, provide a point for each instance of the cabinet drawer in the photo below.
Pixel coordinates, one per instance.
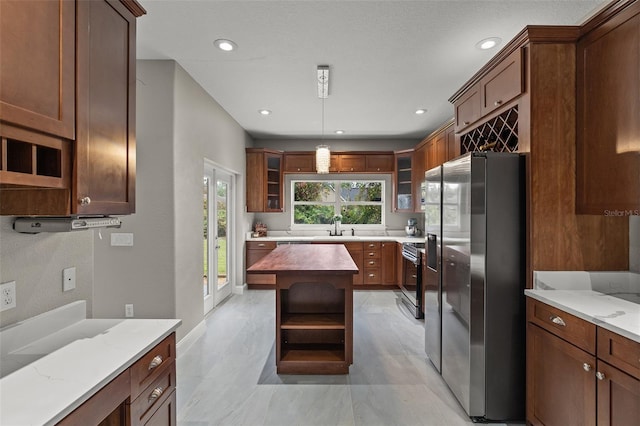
(261, 245)
(571, 328)
(152, 365)
(619, 352)
(261, 279)
(467, 108)
(165, 415)
(372, 276)
(153, 396)
(372, 263)
(502, 84)
(371, 254)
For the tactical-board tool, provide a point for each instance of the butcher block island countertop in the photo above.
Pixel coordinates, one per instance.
(314, 307)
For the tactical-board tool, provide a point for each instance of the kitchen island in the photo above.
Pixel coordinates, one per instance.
(314, 307)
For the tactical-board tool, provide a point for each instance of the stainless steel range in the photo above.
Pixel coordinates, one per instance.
(411, 284)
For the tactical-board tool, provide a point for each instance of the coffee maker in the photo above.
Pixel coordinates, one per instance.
(412, 227)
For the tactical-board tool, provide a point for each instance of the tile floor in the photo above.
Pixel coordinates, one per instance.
(228, 376)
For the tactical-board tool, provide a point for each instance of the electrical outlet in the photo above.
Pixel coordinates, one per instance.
(7, 295)
(69, 278)
(128, 310)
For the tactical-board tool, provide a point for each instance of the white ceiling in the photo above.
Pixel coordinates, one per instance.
(387, 58)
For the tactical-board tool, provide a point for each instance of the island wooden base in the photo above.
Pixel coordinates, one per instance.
(314, 324)
(314, 307)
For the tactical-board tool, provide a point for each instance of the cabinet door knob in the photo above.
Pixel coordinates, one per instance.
(557, 320)
(84, 201)
(156, 361)
(157, 392)
(498, 102)
(586, 367)
(298, 168)
(600, 375)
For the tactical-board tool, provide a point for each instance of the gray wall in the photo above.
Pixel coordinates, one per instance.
(144, 274)
(35, 263)
(178, 126)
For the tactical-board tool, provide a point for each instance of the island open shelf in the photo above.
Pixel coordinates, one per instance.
(314, 307)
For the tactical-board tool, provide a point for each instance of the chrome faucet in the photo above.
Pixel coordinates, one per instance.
(336, 225)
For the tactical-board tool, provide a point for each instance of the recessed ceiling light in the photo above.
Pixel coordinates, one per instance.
(339, 132)
(264, 111)
(488, 43)
(224, 44)
(421, 111)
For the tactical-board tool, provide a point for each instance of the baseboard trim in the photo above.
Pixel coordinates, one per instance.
(187, 341)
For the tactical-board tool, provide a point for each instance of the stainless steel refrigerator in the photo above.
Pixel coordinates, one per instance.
(432, 277)
(481, 262)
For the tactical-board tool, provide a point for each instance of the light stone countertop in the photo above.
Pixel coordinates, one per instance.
(55, 373)
(607, 299)
(284, 236)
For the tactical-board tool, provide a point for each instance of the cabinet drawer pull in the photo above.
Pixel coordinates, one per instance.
(372, 275)
(414, 276)
(600, 376)
(557, 320)
(586, 367)
(261, 245)
(498, 102)
(372, 262)
(156, 361)
(157, 392)
(84, 201)
(466, 123)
(371, 254)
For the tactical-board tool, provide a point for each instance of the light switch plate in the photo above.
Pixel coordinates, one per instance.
(69, 279)
(122, 239)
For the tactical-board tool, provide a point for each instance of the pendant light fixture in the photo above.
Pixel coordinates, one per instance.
(323, 154)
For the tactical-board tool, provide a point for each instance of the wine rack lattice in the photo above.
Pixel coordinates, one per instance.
(503, 130)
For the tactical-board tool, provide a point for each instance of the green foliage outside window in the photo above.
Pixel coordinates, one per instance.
(358, 202)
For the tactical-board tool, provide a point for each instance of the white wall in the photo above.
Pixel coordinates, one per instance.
(35, 263)
(178, 125)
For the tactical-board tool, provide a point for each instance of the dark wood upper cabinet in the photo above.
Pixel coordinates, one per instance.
(352, 163)
(608, 128)
(501, 84)
(379, 163)
(37, 53)
(467, 108)
(105, 160)
(452, 147)
(302, 162)
(67, 106)
(403, 184)
(264, 180)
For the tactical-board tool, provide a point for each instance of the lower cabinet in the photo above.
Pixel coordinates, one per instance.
(570, 380)
(256, 250)
(144, 394)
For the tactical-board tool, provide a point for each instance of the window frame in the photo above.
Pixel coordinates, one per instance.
(338, 204)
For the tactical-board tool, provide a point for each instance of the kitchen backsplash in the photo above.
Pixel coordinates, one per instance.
(35, 262)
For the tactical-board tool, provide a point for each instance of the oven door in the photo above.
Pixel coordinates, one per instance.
(411, 287)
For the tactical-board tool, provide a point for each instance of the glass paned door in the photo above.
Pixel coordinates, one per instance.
(218, 236)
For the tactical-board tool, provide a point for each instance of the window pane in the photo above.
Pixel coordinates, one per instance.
(315, 191)
(312, 214)
(359, 191)
(362, 215)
